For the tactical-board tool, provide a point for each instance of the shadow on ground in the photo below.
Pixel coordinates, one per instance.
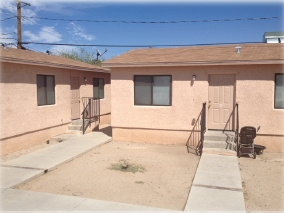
(106, 130)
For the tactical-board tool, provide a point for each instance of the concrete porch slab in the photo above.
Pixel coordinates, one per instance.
(219, 144)
(219, 133)
(212, 135)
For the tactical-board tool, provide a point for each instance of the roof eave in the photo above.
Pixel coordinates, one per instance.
(63, 66)
(193, 63)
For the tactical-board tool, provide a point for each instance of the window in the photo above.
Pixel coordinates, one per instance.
(152, 90)
(45, 90)
(98, 88)
(279, 91)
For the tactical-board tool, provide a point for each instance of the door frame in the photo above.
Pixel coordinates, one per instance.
(232, 113)
(78, 96)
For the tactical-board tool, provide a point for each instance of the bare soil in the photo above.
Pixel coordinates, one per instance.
(158, 175)
(262, 180)
(163, 178)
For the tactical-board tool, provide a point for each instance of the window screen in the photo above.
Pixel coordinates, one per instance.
(152, 90)
(143, 90)
(161, 90)
(98, 88)
(279, 91)
(45, 90)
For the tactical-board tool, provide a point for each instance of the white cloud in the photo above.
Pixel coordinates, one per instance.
(62, 48)
(46, 34)
(79, 32)
(9, 8)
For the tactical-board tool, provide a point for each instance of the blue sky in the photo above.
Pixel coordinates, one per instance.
(72, 32)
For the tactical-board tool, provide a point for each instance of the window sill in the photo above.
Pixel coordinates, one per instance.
(153, 106)
(46, 105)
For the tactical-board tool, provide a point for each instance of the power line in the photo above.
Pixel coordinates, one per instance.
(39, 25)
(8, 18)
(155, 22)
(148, 22)
(7, 13)
(8, 33)
(28, 20)
(46, 29)
(135, 46)
(9, 38)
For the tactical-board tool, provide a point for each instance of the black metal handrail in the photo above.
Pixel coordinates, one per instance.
(91, 112)
(196, 137)
(237, 126)
(202, 126)
(84, 115)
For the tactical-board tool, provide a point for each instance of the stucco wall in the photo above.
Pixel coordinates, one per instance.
(23, 123)
(86, 90)
(186, 97)
(254, 93)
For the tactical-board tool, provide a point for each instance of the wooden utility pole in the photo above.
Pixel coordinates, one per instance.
(19, 18)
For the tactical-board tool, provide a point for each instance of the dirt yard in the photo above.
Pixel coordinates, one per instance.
(155, 175)
(263, 182)
(159, 176)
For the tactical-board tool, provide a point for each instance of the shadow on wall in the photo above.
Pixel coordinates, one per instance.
(194, 141)
(232, 125)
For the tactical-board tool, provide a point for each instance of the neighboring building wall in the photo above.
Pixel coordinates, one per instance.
(173, 124)
(86, 90)
(23, 123)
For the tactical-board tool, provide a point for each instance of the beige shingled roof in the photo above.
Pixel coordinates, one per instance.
(261, 53)
(35, 58)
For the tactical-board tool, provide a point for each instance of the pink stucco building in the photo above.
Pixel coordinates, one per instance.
(41, 94)
(158, 93)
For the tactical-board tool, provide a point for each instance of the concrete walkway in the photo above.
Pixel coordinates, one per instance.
(19, 200)
(216, 186)
(217, 183)
(30, 166)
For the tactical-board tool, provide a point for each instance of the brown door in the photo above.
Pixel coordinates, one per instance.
(75, 98)
(221, 101)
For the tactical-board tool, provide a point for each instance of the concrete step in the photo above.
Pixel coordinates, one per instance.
(219, 144)
(227, 136)
(74, 132)
(61, 138)
(75, 127)
(77, 122)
